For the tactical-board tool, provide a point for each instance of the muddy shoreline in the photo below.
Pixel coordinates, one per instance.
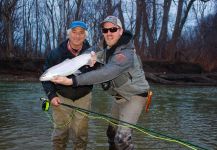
(206, 79)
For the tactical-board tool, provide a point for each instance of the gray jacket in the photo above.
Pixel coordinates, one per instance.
(122, 69)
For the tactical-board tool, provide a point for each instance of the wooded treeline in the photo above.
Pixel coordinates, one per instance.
(164, 30)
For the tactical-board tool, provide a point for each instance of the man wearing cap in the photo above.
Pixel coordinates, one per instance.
(67, 122)
(121, 74)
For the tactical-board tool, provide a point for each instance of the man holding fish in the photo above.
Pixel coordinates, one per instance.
(68, 123)
(121, 74)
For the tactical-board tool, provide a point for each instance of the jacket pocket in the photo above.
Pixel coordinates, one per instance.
(121, 80)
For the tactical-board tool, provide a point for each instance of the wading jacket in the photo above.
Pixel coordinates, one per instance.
(121, 69)
(57, 56)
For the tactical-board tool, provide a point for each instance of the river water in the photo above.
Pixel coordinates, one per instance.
(185, 113)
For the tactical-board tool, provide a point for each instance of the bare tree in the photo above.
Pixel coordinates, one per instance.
(79, 6)
(146, 28)
(8, 8)
(109, 7)
(139, 7)
(24, 27)
(163, 37)
(39, 26)
(120, 12)
(51, 14)
(181, 18)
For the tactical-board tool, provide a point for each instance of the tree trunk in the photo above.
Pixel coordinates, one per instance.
(24, 29)
(162, 41)
(138, 27)
(109, 7)
(77, 14)
(147, 30)
(37, 27)
(51, 15)
(7, 12)
(121, 16)
(172, 51)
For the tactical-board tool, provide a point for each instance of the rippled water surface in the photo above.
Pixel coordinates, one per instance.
(184, 113)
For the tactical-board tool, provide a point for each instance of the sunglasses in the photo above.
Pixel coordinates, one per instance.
(112, 30)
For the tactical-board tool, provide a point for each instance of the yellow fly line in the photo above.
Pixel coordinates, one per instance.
(112, 121)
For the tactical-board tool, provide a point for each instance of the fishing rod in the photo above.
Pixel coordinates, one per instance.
(151, 133)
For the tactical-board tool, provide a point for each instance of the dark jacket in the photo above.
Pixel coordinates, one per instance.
(57, 56)
(121, 67)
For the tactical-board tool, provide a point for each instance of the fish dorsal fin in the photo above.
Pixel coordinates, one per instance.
(66, 60)
(62, 63)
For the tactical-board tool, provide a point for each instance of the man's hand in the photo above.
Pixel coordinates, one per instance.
(93, 59)
(55, 101)
(62, 80)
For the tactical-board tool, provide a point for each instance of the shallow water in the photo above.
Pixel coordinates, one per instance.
(182, 112)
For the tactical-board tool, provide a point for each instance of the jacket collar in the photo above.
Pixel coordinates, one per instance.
(85, 46)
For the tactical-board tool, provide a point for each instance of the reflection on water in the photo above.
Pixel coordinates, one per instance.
(185, 113)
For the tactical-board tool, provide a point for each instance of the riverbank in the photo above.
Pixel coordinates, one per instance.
(20, 76)
(156, 72)
(21, 69)
(206, 79)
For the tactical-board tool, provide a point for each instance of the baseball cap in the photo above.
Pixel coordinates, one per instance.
(113, 20)
(75, 24)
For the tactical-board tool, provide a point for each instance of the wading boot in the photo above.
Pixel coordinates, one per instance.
(111, 131)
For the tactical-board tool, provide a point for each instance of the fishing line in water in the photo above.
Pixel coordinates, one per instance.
(113, 121)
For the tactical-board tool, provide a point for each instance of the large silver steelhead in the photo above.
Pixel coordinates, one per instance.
(67, 67)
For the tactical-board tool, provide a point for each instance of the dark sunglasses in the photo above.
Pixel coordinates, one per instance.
(112, 30)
